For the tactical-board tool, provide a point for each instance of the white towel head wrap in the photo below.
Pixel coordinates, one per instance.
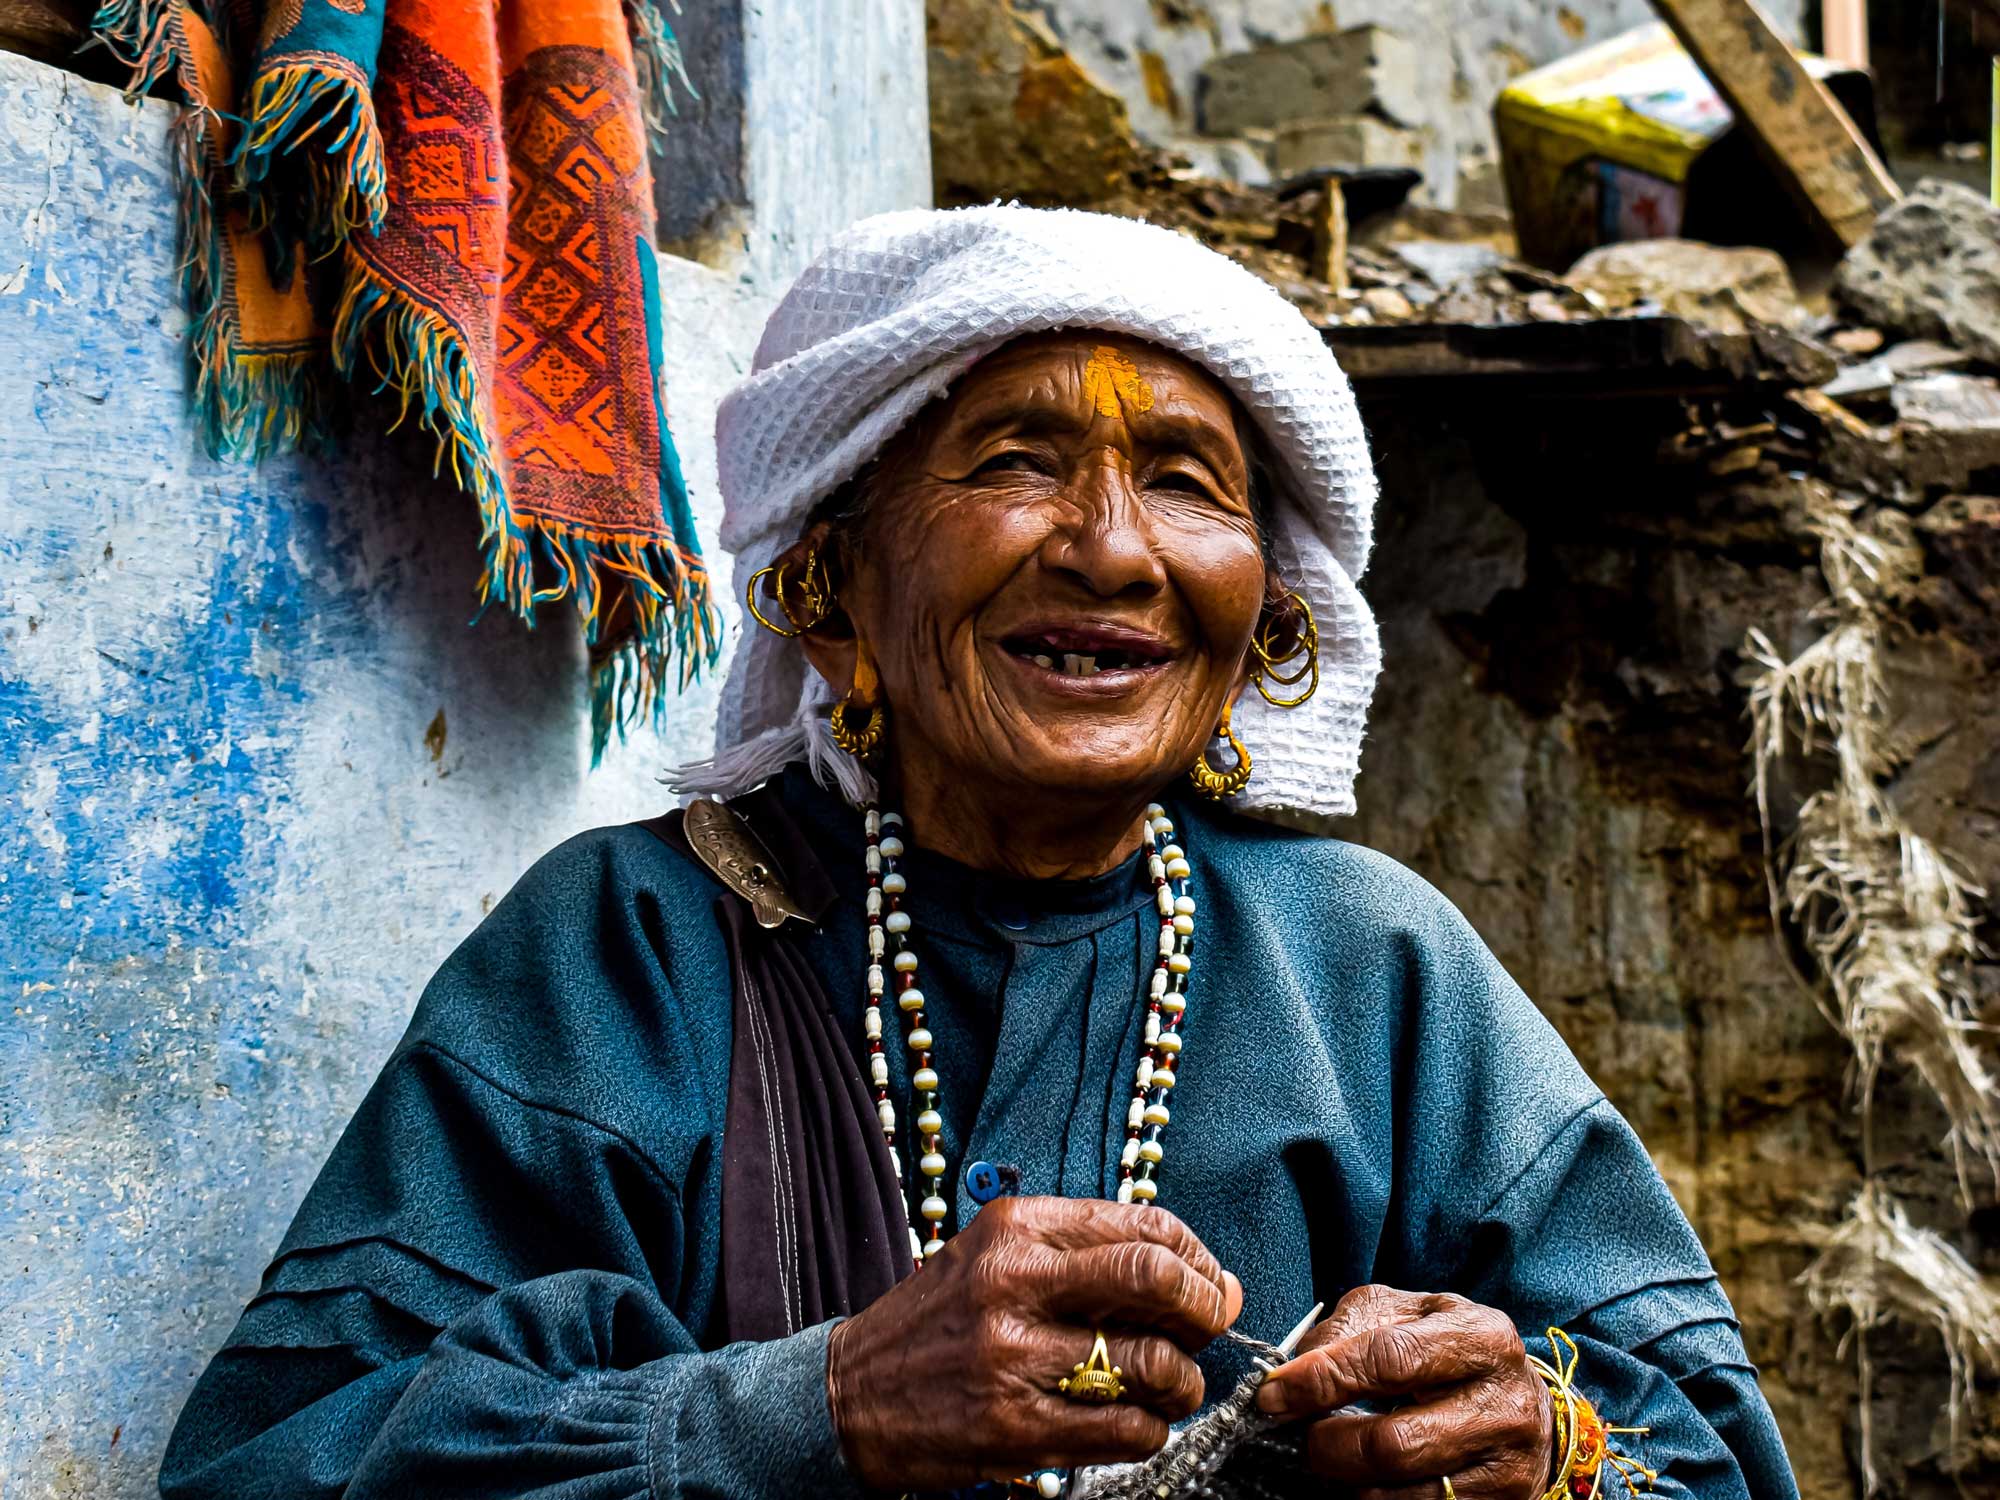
(900, 306)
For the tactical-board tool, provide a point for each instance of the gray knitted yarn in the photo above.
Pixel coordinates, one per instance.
(1190, 1466)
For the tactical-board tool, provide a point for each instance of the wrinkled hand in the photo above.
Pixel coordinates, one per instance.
(951, 1377)
(1452, 1381)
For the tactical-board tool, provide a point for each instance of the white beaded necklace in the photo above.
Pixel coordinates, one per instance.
(1166, 1002)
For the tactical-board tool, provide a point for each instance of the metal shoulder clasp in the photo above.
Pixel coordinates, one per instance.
(724, 843)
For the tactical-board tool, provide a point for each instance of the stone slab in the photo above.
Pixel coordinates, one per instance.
(1367, 69)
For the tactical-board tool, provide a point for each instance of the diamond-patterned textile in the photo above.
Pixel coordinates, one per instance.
(900, 306)
(483, 177)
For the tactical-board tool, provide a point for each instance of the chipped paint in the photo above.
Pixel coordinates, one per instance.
(256, 774)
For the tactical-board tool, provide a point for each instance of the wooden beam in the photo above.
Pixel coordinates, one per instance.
(1843, 32)
(1817, 150)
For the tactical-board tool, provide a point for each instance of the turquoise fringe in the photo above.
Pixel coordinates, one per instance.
(657, 61)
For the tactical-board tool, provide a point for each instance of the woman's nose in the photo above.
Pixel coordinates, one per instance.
(1103, 540)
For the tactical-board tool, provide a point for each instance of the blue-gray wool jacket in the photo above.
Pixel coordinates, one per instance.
(504, 1282)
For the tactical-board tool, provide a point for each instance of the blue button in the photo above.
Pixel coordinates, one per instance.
(982, 1182)
(1011, 915)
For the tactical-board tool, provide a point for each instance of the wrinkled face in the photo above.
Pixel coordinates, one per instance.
(1058, 571)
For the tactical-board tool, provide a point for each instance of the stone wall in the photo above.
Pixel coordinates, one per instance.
(257, 774)
(1559, 743)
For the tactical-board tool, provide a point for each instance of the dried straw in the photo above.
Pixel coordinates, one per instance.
(1889, 923)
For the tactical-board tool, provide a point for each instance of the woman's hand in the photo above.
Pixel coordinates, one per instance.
(1452, 1380)
(951, 1377)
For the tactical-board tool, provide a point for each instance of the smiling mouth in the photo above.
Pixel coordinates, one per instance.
(1081, 653)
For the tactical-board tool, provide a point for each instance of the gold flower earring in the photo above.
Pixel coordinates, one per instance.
(1219, 784)
(865, 696)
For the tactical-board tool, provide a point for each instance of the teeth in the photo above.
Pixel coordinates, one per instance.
(1045, 661)
(1079, 666)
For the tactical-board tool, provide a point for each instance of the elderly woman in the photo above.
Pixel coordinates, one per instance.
(985, 1083)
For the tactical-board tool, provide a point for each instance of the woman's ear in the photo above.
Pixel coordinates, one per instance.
(1275, 629)
(827, 636)
(1281, 624)
(832, 656)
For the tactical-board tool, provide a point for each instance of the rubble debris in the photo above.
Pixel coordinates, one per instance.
(1509, 294)
(1822, 157)
(1855, 341)
(1941, 434)
(1024, 120)
(1950, 429)
(1965, 404)
(1931, 268)
(1363, 71)
(1343, 141)
(1874, 379)
(1445, 263)
(1482, 187)
(1724, 289)
(1388, 227)
(1386, 304)
(1409, 293)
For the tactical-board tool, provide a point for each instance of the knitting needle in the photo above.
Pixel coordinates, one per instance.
(1290, 1341)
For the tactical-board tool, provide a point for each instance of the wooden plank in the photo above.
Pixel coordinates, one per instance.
(1329, 247)
(1597, 357)
(1800, 127)
(1843, 32)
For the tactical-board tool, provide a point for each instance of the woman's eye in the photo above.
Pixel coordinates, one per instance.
(1012, 462)
(1180, 482)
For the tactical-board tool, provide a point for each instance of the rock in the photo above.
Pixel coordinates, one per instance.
(1366, 70)
(1547, 307)
(1343, 141)
(1950, 428)
(1964, 404)
(1014, 116)
(1445, 263)
(1425, 221)
(1726, 290)
(1961, 541)
(1931, 268)
(1234, 159)
(1482, 186)
(1946, 437)
(1875, 378)
(1387, 304)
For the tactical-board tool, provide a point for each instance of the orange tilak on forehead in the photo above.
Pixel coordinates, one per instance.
(1110, 377)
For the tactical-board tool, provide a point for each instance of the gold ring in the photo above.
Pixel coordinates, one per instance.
(750, 599)
(1095, 1381)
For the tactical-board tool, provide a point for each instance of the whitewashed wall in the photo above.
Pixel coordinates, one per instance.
(232, 846)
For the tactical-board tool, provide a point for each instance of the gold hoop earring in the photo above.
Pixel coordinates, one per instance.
(815, 587)
(865, 742)
(1271, 667)
(1219, 784)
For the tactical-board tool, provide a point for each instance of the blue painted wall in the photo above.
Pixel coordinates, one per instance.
(257, 775)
